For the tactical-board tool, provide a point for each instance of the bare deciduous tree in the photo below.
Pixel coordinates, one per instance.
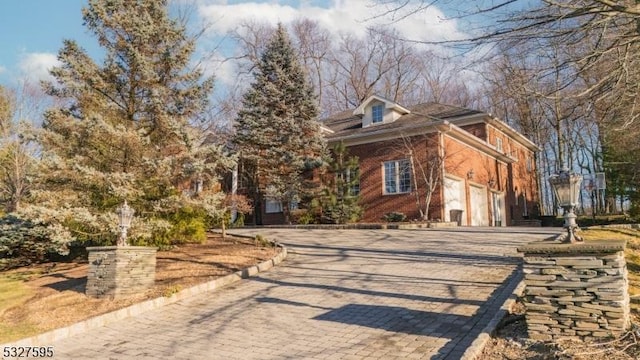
(426, 161)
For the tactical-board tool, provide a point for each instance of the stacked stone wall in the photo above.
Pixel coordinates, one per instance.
(120, 271)
(575, 290)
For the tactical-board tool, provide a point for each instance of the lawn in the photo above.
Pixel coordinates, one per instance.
(632, 251)
(13, 292)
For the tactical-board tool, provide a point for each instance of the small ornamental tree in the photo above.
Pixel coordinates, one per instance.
(341, 193)
(125, 131)
(426, 168)
(276, 132)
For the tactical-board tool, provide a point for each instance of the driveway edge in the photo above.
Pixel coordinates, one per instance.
(139, 308)
(478, 345)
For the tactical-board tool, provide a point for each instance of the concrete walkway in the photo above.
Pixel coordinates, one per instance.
(341, 294)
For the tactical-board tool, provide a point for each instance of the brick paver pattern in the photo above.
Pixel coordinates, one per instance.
(341, 294)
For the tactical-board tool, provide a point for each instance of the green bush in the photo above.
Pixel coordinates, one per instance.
(262, 241)
(394, 217)
(239, 221)
(303, 217)
(23, 242)
(189, 226)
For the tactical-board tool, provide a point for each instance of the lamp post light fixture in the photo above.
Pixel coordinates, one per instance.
(566, 188)
(125, 214)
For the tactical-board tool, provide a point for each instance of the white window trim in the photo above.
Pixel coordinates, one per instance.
(396, 176)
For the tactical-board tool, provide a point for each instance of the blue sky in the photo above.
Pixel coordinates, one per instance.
(32, 31)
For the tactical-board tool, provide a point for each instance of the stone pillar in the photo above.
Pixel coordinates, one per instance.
(116, 271)
(577, 291)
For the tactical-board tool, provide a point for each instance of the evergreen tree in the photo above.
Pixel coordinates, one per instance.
(277, 134)
(124, 130)
(342, 189)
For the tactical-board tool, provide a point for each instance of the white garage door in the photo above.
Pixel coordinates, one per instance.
(453, 198)
(479, 206)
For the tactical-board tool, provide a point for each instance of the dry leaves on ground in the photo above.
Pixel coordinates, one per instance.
(57, 289)
(510, 342)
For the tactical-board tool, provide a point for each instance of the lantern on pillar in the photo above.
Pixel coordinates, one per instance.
(125, 215)
(566, 187)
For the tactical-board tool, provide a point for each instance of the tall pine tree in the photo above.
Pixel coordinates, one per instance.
(124, 130)
(277, 133)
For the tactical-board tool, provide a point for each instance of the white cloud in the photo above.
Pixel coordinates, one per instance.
(338, 17)
(36, 66)
(341, 16)
(224, 70)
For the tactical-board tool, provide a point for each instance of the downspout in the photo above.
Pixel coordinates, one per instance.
(445, 127)
(234, 191)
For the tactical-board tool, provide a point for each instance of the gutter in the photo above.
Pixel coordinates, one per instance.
(458, 133)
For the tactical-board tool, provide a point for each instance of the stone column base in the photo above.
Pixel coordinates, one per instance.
(575, 290)
(116, 271)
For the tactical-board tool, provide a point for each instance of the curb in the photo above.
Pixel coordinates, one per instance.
(478, 345)
(359, 226)
(139, 308)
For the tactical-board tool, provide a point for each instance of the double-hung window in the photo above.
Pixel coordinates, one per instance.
(377, 113)
(273, 206)
(397, 176)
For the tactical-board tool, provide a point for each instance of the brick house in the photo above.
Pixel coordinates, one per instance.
(482, 170)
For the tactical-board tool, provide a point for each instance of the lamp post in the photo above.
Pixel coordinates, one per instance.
(566, 188)
(125, 214)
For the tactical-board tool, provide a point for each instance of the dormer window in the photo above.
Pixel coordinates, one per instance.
(377, 110)
(377, 113)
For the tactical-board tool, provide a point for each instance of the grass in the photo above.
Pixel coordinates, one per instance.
(14, 293)
(632, 251)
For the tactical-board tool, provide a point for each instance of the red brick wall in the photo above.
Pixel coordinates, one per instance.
(508, 179)
(371, 159)
(476, 168)
(523, 188)
(479, 130)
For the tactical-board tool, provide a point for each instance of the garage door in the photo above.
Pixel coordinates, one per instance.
(453, 198)
(479, 206)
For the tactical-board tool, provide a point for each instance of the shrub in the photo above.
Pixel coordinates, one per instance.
(23, 242)
(189, 226)
(239, 221)
(262, 241)
(394, 217)
(185, 225)
(303, 217)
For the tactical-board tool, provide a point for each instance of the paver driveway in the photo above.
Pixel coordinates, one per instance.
(341, 294)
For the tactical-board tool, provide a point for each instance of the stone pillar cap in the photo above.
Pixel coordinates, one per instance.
(548, 247)
(107, 248)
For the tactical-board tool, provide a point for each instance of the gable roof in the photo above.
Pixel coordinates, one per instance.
(387, 103)
(347, 123)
